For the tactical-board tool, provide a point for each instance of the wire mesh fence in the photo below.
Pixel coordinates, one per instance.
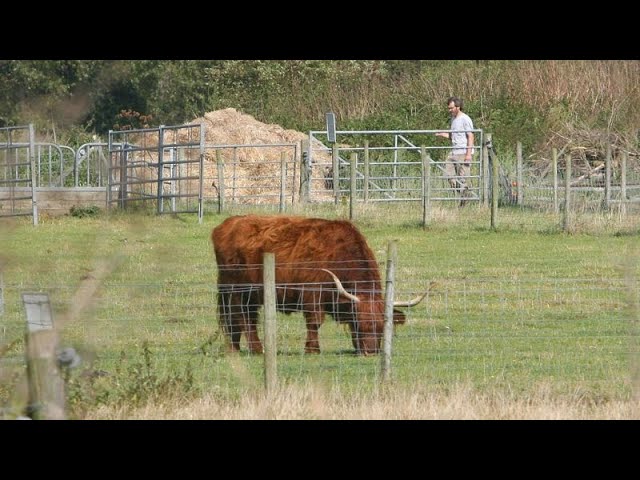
(516, 332)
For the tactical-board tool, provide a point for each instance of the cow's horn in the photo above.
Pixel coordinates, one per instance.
(341, 288)
(416, 300)
(411, 303)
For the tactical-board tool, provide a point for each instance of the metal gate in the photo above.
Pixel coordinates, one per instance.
(159, 168)
(388, 166)
(17, 172)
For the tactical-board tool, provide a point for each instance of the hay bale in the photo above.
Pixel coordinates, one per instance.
(256, 169)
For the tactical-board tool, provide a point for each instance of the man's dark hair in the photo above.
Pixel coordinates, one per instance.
(457, 101)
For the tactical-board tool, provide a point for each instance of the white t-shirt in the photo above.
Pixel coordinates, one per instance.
(459, 139)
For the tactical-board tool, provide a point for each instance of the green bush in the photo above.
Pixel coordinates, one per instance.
(82, 211)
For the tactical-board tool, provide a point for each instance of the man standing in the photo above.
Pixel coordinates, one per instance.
(458, 164)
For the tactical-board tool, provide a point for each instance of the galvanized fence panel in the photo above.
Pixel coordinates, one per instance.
(160, 167)
(92, 165)
(388, 169)
(388, 166)
(18, 173)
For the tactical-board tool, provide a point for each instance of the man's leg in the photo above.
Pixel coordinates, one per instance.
(455, 172)
(464, 170)
(452, 172)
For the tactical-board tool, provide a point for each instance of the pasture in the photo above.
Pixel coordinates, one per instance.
(523, 312)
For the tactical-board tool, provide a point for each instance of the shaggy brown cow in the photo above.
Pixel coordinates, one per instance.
(322, 266)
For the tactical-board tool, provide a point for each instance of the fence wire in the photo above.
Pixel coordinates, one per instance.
(567, 332)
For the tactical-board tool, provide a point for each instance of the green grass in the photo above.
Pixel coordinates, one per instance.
(523, 306)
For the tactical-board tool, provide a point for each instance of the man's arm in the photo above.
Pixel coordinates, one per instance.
(470, 142)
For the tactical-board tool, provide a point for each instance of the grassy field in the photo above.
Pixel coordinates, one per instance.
(525, 321)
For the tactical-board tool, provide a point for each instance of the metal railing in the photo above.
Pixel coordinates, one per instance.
(388, 165)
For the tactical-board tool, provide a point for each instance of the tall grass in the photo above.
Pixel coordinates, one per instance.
(316, 402)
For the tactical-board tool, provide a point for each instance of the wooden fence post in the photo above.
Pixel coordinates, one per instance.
(270, 346)
(160, 180)
(365, 186)
(122, 191)
(32, 167)
(566, 223)
(607, 178)
(426, 186)
(554, 167)
(46, 386)
(485, 170)
(495, 189)
(201, 179)
(220, 169)
(633, 308)
(234, 175)
(352, 184)
(623, 183)
(388, 311)
(283, 180)
(1, 292)
(519, 185)
(335, 167)
(305, 171)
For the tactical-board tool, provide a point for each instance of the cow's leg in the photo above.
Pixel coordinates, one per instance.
(355, 340)
(234, 337)
(253, 341)
(314, 320)
(231, 328)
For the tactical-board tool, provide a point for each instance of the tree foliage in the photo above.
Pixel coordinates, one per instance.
(516, 100)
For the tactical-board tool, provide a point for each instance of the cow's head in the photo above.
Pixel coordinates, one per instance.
(367, 317)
